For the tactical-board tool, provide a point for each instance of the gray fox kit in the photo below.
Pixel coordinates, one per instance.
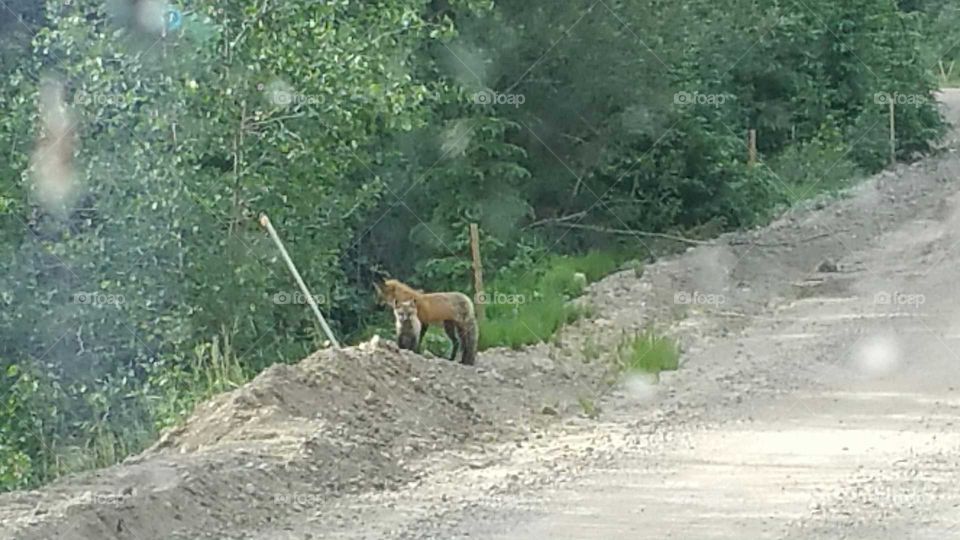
(408, 325)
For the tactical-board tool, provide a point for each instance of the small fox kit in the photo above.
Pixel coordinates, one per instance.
(452, 309)
(408, 325)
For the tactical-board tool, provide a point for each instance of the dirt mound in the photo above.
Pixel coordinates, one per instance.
(374, 388)
(380, 397)
(340, 421)
(355, 413)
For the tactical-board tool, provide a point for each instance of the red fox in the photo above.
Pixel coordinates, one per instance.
(408, 325)
(454, 310)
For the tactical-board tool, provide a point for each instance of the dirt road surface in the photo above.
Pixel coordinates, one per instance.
(819, 397)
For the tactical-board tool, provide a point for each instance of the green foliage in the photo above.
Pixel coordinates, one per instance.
(436, 341)
(940, 20)
(183, 141)
(50, 427)
(526, 305)
(16, 425)
(649, 352)
(819, 165)
(175, 388)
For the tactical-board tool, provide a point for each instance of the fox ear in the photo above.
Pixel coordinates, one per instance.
(385, 297)
(382, 297)
(379, 276)
(380, 281)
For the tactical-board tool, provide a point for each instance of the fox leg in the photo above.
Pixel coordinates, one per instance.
(451, 329)
(468, 340)
(423, 332)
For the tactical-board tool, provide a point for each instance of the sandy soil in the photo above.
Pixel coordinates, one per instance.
(818, 397)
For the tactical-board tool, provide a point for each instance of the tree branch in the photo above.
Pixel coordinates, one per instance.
(549, 221)
(608, 230)
(783, 244)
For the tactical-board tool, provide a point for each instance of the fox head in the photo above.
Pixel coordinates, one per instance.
(386, 294)
(390, 291)
(405, 310)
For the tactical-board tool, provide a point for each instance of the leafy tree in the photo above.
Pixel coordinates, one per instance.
(185, 138)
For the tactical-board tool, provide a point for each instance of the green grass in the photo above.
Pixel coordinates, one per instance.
(214, 368)
(589, 407)
(590, 349)
(647, 352)
(524, 308)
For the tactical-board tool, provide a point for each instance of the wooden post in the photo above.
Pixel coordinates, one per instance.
(752, 147)
(893, 133)
(265, 221)
(477, 271)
